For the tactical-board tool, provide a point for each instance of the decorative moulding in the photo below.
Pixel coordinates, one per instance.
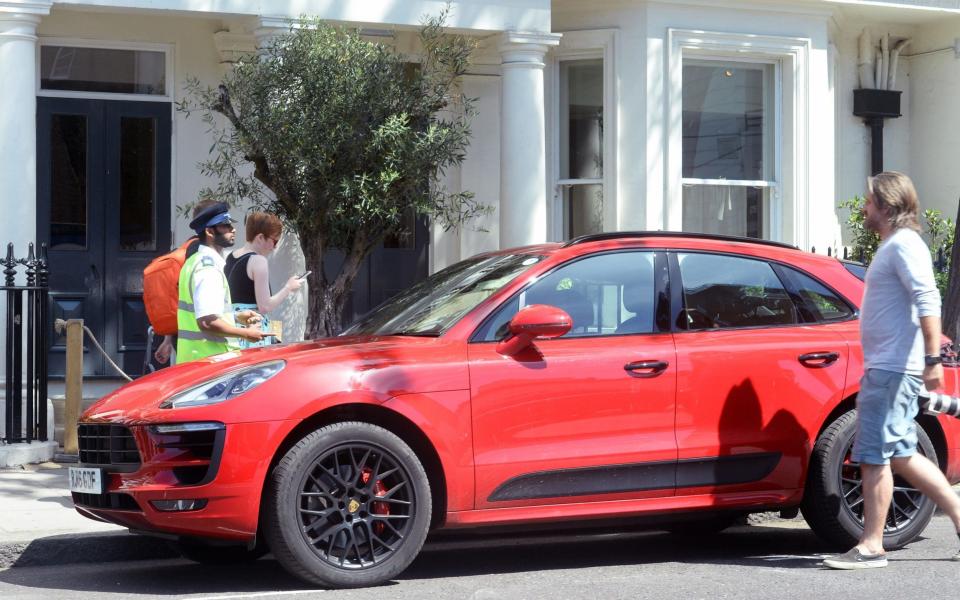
(31, 7)
(233, 46)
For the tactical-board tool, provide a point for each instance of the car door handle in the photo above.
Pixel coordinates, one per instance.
(818, 360)
(646, 368)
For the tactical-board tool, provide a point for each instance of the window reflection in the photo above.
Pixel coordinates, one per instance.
(102, 70)
(138, 183)
(68, 182)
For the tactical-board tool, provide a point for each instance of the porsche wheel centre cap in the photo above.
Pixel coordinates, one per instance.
(353, 506)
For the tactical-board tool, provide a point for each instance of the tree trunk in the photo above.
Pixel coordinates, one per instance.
(324, 312)
(951, 305)
(327, 299)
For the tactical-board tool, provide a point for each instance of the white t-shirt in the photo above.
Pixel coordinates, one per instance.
(209, 285)
(900, 289)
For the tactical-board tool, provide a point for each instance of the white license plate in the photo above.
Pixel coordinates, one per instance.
(86, 480)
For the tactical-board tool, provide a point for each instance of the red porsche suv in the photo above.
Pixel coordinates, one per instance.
(611, 376)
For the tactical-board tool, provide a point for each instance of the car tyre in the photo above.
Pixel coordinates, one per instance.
(830, 500)
(347, 506)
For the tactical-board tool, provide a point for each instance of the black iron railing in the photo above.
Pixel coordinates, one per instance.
(27, 324)
(941, 264)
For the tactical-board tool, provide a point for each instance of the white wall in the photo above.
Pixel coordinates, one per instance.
(853, 141)
(489, 15)
(480, 171)
(934, 116)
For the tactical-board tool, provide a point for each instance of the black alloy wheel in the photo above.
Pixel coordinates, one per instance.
(904, 507)
(833, 499)
(347, 506)
(355, 506)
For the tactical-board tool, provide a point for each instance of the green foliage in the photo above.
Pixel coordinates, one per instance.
(864, 242)
(348, 136)
(939, 232)
(940, 235)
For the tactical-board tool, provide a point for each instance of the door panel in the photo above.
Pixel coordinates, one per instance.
(577, 418)
(747, 389)
(137, 197)
(103, 183)
(574, 408)
(746, 392)
(70, 214)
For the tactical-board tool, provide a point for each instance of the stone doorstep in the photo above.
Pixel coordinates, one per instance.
(14, 455)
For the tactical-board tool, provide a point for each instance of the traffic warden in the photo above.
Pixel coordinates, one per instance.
(205, 319)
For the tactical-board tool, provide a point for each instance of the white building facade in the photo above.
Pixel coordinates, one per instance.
(722, 116)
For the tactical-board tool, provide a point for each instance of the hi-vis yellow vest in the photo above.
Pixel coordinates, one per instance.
(192, 342)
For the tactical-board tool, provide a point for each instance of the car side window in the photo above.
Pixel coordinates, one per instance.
(605, 294)
(730, 291)
(819, 302)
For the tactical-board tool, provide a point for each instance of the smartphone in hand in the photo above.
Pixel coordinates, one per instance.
(304, 276)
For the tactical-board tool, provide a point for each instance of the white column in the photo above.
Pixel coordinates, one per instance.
(523, 155)
(18, 121)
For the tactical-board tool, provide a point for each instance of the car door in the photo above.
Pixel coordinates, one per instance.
(755, 374)
(587, 416)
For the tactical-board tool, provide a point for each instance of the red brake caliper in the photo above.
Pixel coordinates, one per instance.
(377, 508)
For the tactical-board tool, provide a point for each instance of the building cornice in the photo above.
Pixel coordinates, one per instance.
(26, 7)
(233, 46)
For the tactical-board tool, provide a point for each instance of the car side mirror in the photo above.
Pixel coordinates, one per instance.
(532, 322)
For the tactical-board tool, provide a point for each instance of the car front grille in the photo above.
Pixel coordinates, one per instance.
(111, 501)
(108, 445)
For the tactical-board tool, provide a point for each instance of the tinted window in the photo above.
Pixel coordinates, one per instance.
(728, 291)
(821, 303)
(856, 269)
(608, 294)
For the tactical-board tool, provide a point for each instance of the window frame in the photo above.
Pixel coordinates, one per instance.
(661, 300)
(798, 297)
(772, 217)
(789, 220)
(583, 45)
(168, 64)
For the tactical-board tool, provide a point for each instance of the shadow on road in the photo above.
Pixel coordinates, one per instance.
(460, 556)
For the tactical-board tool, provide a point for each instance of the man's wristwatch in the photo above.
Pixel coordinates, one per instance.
(931, 360)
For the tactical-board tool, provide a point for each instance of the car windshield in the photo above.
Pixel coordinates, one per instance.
(432, 306)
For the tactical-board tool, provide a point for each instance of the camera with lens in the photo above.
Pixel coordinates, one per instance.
(941, 404)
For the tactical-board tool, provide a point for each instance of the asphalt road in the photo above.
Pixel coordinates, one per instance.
(777, 560)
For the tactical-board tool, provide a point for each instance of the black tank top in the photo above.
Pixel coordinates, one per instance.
(242, 290)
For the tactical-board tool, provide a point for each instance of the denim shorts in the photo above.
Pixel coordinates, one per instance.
(886, 407)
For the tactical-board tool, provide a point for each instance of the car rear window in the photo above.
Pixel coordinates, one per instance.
(729, 291)
(858, 270)
(819, 302)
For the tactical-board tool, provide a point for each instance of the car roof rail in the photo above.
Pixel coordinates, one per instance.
(617, 235)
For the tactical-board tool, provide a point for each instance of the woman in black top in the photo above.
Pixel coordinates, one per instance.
(248, 273)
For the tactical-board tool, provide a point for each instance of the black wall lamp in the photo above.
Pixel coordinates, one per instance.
(876, 106)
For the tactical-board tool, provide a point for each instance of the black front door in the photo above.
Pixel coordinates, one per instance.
(103, 209)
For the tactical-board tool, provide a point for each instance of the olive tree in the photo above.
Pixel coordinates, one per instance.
(341, 137)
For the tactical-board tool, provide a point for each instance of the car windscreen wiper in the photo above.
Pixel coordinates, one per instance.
(415, 333)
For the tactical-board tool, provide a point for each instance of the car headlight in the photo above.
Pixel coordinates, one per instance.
(226, 386)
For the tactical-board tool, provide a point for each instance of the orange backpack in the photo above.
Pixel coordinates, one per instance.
(161, 281)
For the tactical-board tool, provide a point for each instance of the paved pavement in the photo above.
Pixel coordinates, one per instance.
(763, 562)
